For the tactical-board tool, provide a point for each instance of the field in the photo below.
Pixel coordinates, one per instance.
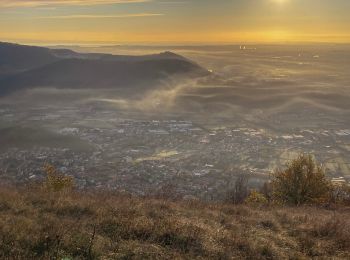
(37, 224)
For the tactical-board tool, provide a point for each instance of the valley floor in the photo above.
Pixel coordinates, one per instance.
(37, 224)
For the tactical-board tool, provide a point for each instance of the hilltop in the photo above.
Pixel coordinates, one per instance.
(23, 67)
(38, 224)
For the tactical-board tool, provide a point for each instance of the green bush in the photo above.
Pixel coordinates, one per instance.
(302, 182)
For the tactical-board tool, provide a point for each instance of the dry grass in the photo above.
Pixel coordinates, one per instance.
(36, 224)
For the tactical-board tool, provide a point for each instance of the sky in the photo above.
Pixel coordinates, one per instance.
(174, 21)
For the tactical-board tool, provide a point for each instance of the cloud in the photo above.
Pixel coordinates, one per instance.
(98, 16)
(35, 3)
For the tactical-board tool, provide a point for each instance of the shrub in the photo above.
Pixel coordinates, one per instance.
(256, 198)
(266, 190)
(340, 194)
(56, 181)
(302, 182)
(240, 191)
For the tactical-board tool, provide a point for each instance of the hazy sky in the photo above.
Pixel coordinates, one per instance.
(174, 21)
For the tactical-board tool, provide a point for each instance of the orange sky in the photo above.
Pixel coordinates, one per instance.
(172, 21)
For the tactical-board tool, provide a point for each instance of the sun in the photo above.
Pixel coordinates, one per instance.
(279, 1)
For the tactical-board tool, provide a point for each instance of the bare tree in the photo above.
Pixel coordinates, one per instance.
(240, 190)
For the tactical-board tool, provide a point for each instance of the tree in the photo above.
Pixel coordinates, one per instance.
(55, 181)
(240, 191)
(302, 182)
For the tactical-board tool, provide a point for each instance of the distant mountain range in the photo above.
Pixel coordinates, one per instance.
(23, 67)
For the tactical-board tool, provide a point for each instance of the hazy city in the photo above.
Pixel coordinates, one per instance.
(193, 135)
(149, 129)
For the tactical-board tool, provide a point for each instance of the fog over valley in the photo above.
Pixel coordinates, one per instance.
(166, 129)
(141, 118)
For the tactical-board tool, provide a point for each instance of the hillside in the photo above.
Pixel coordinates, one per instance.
(37, 224)
(23, 67)
(16, 58)
(78, 73)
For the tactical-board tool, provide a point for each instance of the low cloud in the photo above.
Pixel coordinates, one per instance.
(99, 16)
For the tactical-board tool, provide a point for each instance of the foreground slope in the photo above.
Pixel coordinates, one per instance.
(36, 224)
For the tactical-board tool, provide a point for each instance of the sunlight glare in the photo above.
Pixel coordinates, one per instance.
(279, 1)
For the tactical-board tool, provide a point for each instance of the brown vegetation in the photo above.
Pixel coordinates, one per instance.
(39, 224)
(53, 221)
(302, 182)
(56, 181)
(240, 190)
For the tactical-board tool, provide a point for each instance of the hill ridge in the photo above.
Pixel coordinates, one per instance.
(62, 68)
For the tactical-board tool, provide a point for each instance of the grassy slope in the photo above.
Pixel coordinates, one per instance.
(37, 224)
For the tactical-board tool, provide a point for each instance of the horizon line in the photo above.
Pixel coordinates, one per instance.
(165, 43)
